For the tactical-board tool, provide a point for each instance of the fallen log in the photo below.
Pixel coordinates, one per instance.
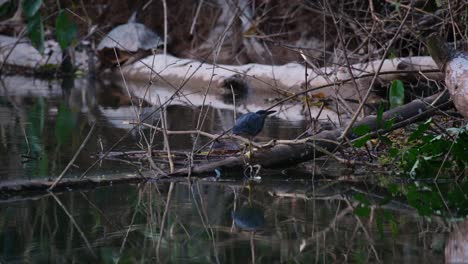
(285, 155)
(454, 64)
(20, 53)
(288, 77)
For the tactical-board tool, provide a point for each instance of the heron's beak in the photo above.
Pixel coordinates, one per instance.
(270, 112)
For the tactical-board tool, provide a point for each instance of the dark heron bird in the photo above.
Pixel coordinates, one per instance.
(250, 124)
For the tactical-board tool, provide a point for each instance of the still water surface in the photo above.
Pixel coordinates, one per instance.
(123, 224)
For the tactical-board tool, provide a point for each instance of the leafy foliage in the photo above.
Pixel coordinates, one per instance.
(425, 155)
(432, 155)
(363, 209)
(435, 156)
(66, 31)
(363, 130)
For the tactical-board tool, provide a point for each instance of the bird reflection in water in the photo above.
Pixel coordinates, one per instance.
(249, 217)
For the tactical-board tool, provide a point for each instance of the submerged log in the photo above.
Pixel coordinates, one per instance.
(284, 155)
(21, 186)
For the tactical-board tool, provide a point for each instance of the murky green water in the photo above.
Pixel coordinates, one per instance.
(273, 221)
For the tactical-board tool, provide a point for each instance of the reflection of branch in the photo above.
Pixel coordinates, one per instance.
(252, 246)
(366, 233)
(163, 221)
(74, 223)
(332, 224)
(131, 224)
(204, 217)
(74, 156)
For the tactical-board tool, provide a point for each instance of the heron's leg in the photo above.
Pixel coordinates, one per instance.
(244, 151)
(250, 149)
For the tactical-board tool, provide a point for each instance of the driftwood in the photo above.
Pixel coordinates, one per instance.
(284, 155)
(454, 64)
(20, 53)
(457, 244)
(288, 77)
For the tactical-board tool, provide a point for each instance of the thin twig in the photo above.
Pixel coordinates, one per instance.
(166, 138)
(374, 79)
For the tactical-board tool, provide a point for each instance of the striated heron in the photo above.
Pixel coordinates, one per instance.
(250, 124)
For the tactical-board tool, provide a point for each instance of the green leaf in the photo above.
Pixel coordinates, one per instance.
(65, 30)
(362, 211)
(420, 130)
(36, 32)
(363, 208)
(397, 93)
(389, 124)
(393, 188)
(361, 130)
(362, 198)
(380, 115)
(362, 141)
(30, 7)
(393, 152)
(385, 140)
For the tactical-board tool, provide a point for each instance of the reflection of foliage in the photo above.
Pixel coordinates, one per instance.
(434, 199)
(425, 155)
(36, 128)
(363, 209)
(249, 217)
(65, 124)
